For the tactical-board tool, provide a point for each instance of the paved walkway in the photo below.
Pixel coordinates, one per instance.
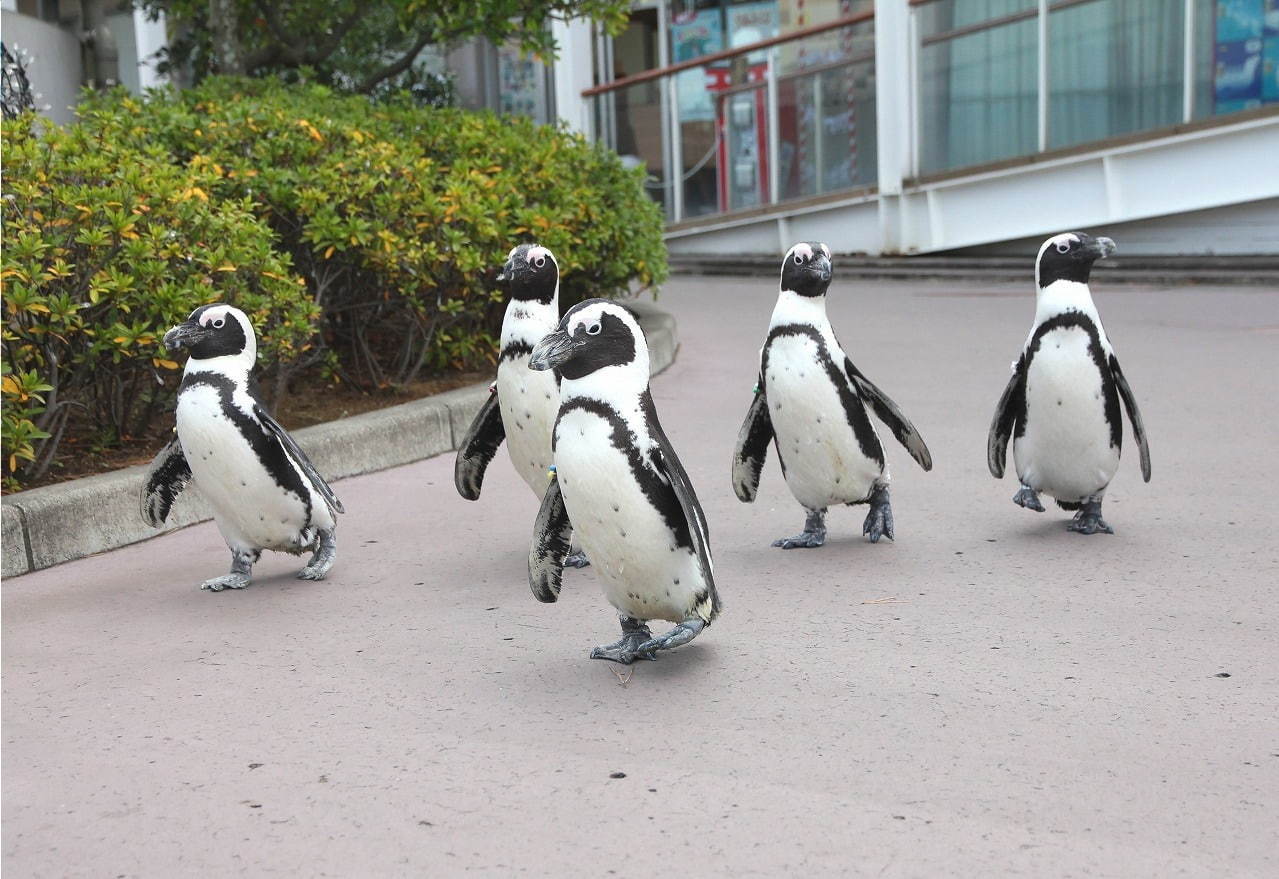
(989, 695)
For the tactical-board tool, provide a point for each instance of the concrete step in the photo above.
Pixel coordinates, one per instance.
(1235, 270)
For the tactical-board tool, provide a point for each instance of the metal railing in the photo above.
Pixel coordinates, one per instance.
(784, 118)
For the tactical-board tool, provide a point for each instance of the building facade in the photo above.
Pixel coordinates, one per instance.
(920, 126)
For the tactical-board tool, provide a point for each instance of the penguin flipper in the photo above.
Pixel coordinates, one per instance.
(1134, 416)
(669, 467)
(552, 536)
(752, 448)
(478, 447)
(294, 451)
(1001, 426)
(891, 415)
(168, 474)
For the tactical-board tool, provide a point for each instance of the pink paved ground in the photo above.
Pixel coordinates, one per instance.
(990, 695)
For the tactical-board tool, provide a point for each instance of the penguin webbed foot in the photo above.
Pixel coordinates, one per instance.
(326, 551)
(241, 572)
(634, 634)
(676, 637)
(226, 581)
(879, 521)
(1029, 498)
(1088, 520)
(813, 535)
(576, 559)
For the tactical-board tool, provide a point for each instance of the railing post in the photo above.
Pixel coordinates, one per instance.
(773, 131)
(893, 109)
(1188, 62)
(676, 175)
(1042, 79)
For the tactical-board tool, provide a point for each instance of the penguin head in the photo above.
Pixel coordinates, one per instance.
(532, 273)
(1069, 257)
(215, 331)
(592, 335)
(806, 269)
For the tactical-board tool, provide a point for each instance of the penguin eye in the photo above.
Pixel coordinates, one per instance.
(218, 323)
(799, 260)
(1062, 247)
(540, 261)
(593, 329)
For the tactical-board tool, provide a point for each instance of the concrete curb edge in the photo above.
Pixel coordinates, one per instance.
(43, 527)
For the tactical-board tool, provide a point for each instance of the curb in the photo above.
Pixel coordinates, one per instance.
(43, 527)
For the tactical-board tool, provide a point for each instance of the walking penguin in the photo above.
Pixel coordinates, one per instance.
(264, 491)
(522, 402)
(1061, 406)
(811, 402)
(620, 488)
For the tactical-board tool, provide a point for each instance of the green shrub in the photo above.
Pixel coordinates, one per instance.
(105, 247)
(399, 216)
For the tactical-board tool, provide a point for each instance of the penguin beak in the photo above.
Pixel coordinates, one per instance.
(820, 266)
(185, 334)
(507, 274)
(555, 350)
(1105, 247)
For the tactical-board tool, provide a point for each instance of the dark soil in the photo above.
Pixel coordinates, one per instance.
(311, 401)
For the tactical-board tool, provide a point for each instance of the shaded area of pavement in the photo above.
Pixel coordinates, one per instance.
(988, 695)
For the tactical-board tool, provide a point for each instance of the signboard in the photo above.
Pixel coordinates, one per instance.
(693, 36)
(1245, 54)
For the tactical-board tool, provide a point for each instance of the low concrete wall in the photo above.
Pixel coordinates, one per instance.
(46, 526)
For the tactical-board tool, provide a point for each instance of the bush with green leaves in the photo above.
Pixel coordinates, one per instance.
(399, 216)
(105, 247)
(363, 237)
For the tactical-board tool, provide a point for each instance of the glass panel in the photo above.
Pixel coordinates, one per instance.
(947, 15)
(827, 130)
(1236, 55)
(978, 97)
(744, 114)
(630, 121)
(1115, 66)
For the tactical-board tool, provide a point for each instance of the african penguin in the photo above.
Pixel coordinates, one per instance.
(620, 488)
(264, 491)
(1061, 405)
(811, 402)
(522, 402)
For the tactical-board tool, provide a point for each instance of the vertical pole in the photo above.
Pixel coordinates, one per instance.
(819, 146)
(1188, 62)
(670, 177)
(773, 130)
(892, 118)
(677, 151)
(572, 71)
(1042, 128)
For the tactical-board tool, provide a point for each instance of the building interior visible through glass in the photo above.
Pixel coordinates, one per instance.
(1114, 68)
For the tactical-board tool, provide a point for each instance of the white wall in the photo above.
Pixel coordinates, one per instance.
(55, 70)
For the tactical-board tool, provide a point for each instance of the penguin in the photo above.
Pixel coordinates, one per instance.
(264, 491)
(620, 488)
(522, 402)
(810, 401)
(1061, 405)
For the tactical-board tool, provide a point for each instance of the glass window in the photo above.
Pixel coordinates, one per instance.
(1236, 55)
(979, 95)
(1115, 66)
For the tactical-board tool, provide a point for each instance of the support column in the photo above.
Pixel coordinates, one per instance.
(894, 106)
(573, 72)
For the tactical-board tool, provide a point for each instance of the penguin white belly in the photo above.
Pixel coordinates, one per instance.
(529, 401)
(252, 511)
(824, 463)
(1065, 448)
(643, 572)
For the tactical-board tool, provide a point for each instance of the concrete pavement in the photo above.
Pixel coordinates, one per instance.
(989, 695)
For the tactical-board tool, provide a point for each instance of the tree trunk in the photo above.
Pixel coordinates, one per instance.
(227, 55)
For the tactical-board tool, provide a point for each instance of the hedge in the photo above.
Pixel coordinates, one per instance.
(394, 217)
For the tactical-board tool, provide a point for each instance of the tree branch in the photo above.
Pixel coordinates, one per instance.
(399, 66)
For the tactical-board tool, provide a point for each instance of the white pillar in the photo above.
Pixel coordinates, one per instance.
(573, 72)
(150, 38)
(893, 108)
